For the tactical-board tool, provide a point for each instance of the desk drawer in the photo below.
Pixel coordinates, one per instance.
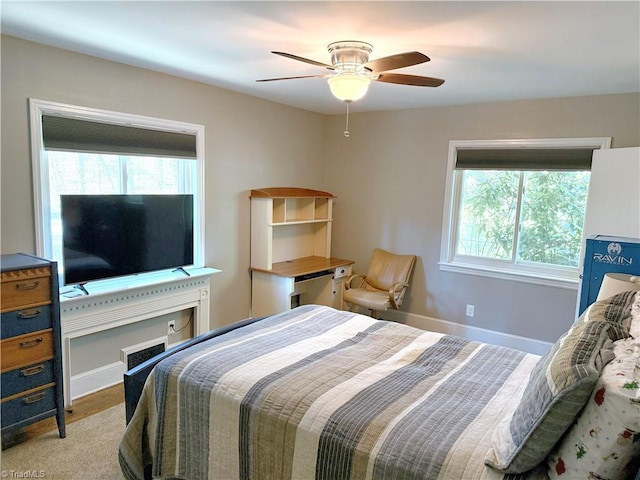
(25, 292)
(26, 349)
(27, 406)
(26, 378)
(19, 322)
(342, 272)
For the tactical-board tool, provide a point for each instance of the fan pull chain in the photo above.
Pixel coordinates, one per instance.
(346, 129)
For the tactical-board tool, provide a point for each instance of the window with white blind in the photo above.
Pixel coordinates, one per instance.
(78, 150)
(515, 208)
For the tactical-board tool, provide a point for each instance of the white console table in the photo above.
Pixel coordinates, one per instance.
(112, 304)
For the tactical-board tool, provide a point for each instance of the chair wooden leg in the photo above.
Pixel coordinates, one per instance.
(374, 314)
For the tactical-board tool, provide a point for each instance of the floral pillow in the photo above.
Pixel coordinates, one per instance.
(604, 442)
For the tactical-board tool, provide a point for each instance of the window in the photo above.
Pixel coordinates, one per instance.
(515, 209)
(88, 151)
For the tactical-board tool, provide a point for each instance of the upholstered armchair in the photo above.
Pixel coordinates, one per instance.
(384, 284)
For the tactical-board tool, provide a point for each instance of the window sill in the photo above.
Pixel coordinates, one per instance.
(511, 275)
(119, 285)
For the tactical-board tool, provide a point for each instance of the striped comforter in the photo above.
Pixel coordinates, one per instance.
(317, 393)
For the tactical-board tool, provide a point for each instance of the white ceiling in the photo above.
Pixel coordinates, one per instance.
(486, 51)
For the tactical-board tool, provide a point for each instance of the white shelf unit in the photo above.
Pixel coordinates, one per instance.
(290, 241)
(288, 228)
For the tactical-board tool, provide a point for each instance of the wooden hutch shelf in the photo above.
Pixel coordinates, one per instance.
(290, 247)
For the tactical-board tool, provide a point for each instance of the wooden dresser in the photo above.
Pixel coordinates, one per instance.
(30, 356)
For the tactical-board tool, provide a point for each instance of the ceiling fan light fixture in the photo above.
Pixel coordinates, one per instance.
(349, 55)
(349, 87)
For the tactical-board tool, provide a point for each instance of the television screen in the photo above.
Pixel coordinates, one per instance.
(108, 236)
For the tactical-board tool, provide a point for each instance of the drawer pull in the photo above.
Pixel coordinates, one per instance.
(27, 314)
(36, 397)
(28, 286)
(32, 343)
(36, 369)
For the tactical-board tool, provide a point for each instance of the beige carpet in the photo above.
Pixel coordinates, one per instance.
(90, 451)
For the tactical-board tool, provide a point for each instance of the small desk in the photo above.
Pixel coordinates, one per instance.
(296, 282)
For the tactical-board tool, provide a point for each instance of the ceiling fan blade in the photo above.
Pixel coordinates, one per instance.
(288, 78)
(396, 61)
(305, 60)
(410, 80)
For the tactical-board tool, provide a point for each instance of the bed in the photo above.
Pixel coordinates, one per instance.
(318, 393)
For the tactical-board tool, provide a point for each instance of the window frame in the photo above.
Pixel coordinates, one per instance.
(505, 270)
(42, 208)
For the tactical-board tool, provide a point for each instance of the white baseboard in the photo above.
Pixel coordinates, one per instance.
(494, 337)
(96, 379)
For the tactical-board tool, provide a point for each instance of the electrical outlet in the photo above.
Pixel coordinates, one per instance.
(470, 310)
(171, 327)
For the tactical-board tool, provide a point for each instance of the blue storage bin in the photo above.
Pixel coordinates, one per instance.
(606, 254)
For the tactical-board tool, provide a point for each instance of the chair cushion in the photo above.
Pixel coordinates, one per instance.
(367, 298)
(386, 269)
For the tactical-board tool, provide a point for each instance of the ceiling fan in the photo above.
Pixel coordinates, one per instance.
(351, 72)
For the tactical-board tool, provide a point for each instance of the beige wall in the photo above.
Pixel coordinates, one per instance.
(250, 143)
(389, 176)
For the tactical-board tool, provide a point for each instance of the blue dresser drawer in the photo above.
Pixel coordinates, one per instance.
(18, 322)
(27, 406)
(26, 378)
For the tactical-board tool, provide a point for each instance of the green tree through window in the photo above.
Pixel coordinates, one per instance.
(532, 216)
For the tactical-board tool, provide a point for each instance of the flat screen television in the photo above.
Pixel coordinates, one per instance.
(105, 236)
